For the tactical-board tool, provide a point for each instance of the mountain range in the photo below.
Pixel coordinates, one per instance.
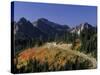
(45, 28)
(43, 45)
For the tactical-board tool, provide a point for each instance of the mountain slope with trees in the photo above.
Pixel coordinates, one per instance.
(30, 35)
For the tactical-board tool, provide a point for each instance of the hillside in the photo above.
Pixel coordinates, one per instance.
(53, 57)
(43, 45)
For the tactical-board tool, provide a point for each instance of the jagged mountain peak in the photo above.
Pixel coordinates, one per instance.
(81, 27)
(42, 19)
(22, 19)
(39, 21)
(22, 22)
(85, 25)
(45, 22)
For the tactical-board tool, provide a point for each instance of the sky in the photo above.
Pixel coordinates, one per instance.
(59, 13)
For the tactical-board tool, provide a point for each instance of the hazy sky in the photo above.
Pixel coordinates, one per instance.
(58, 13)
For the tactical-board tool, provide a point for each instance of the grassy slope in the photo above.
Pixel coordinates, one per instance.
(57, 56)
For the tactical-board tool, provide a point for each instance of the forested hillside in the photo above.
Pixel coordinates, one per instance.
(43, 46)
